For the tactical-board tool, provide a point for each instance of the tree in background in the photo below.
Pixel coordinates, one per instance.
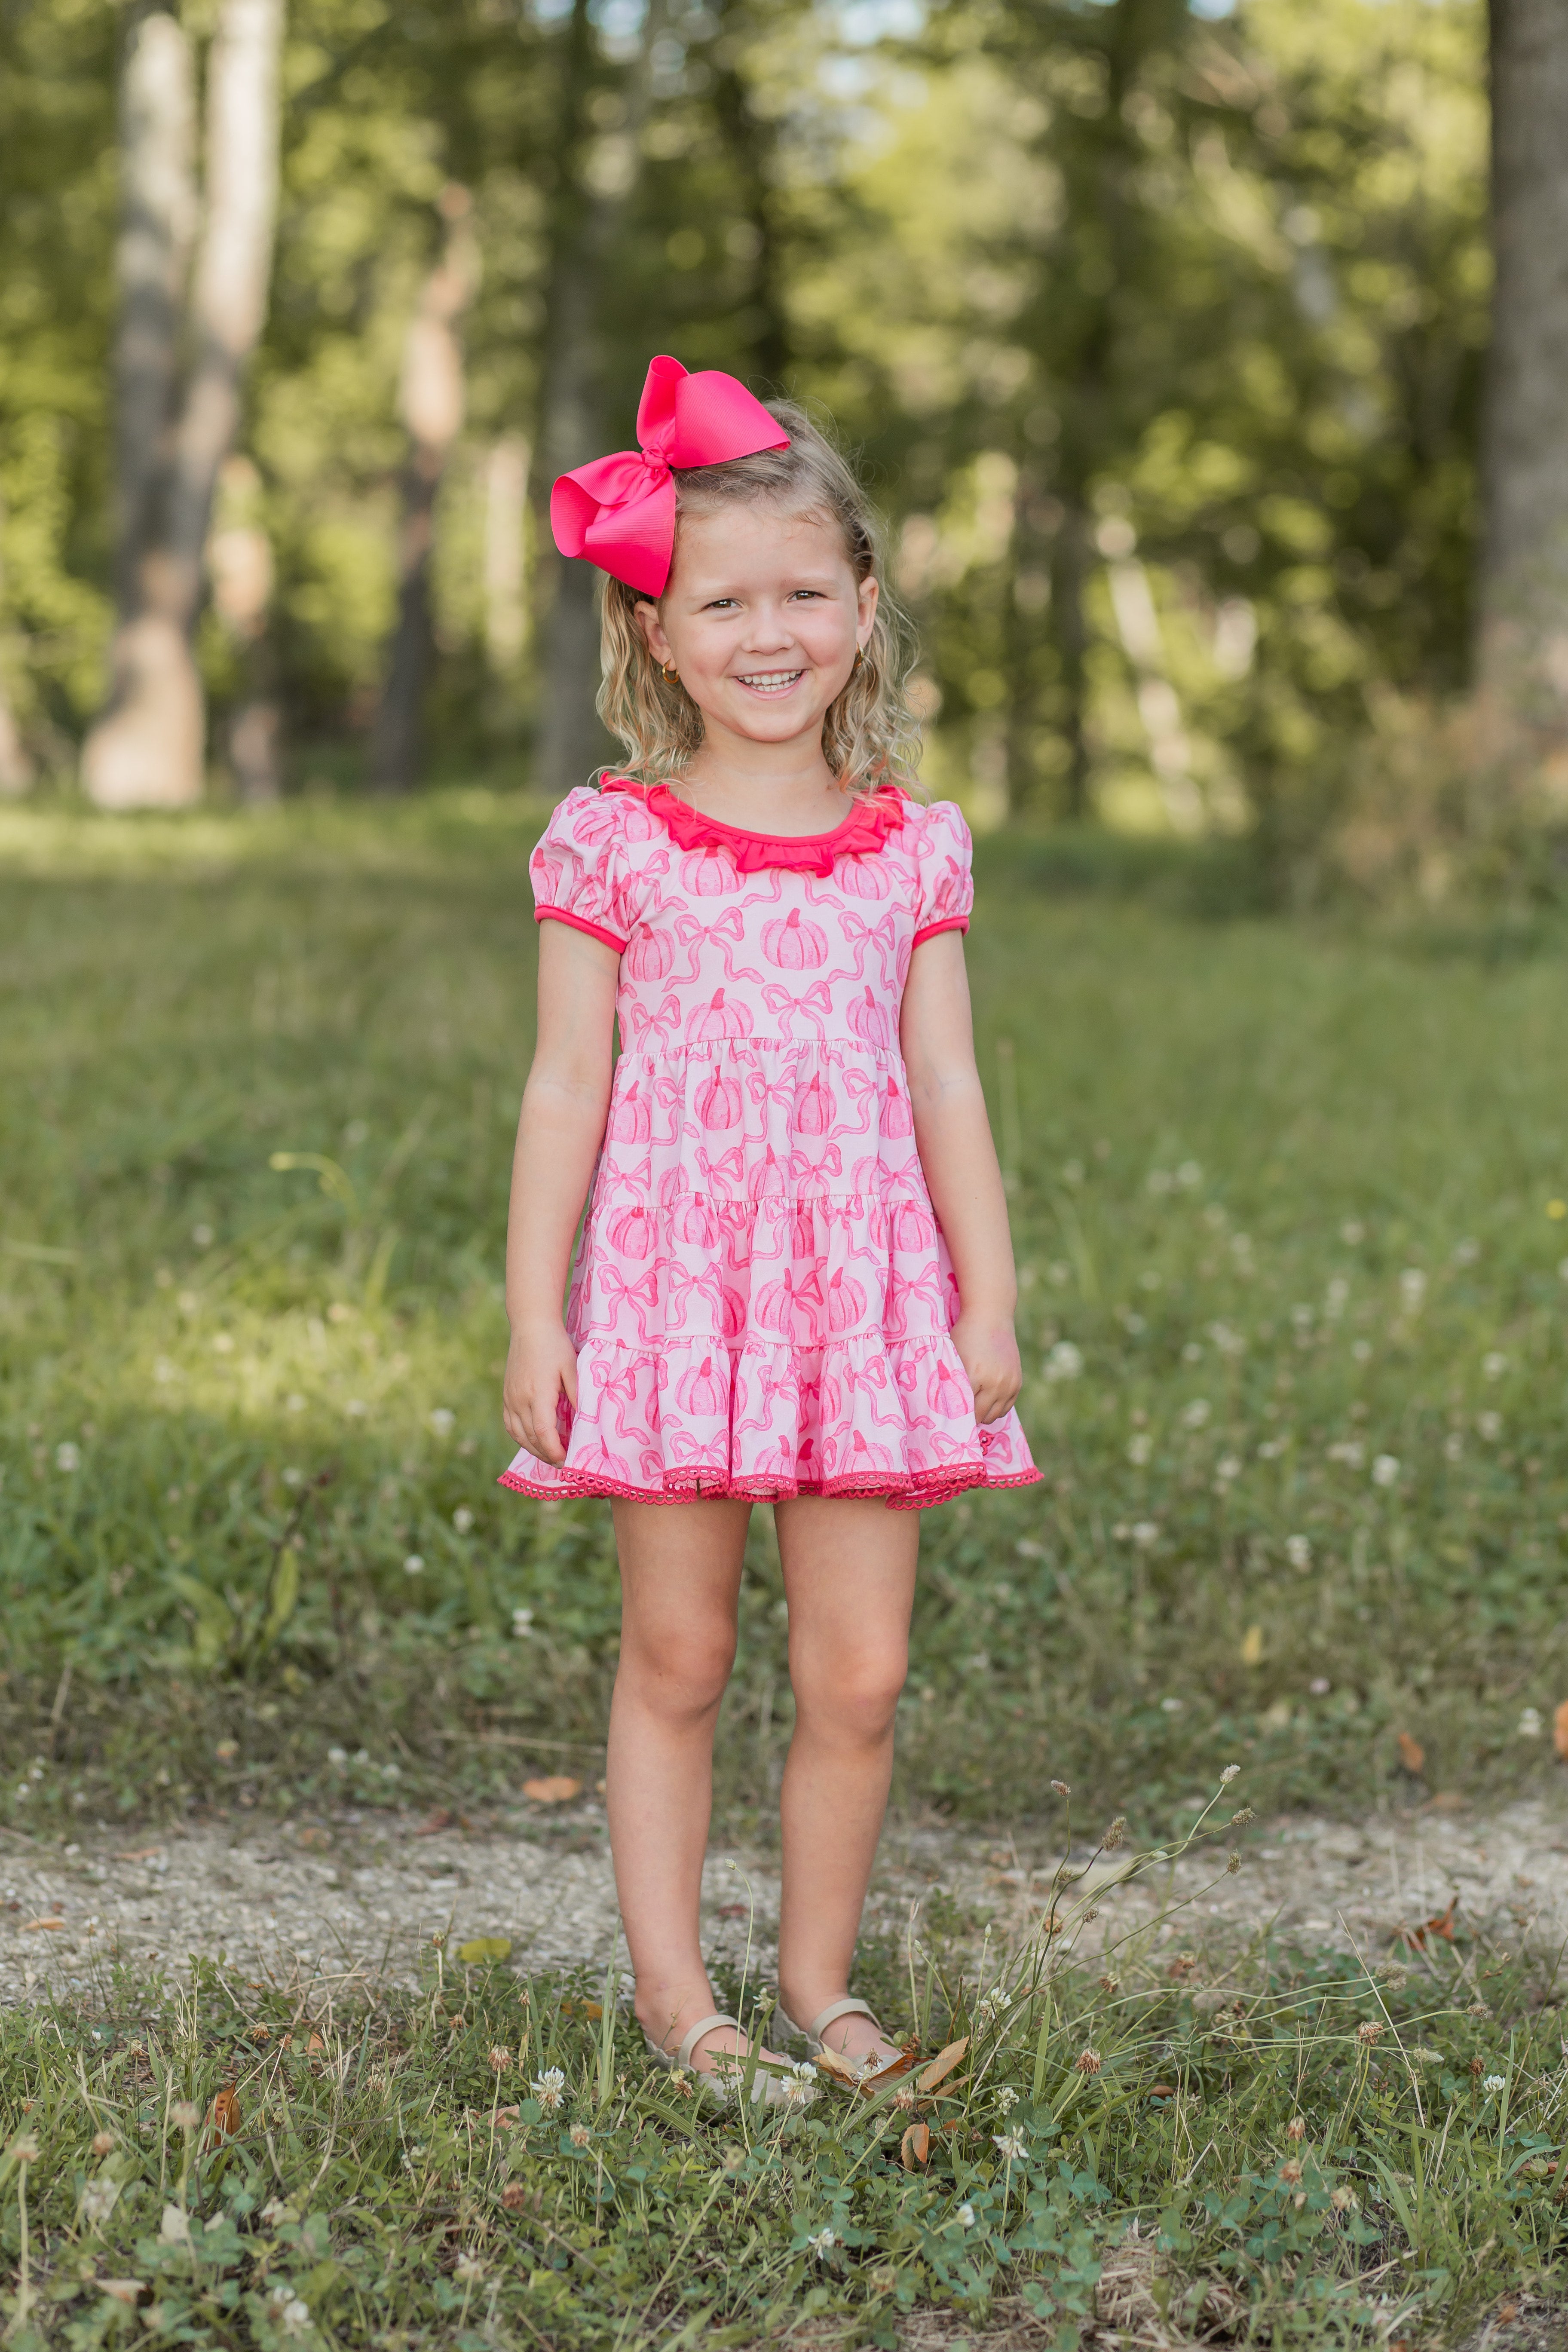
(1522, 649)
(172, 434)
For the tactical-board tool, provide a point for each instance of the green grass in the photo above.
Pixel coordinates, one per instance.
(236, 1398)
(1238, 2147)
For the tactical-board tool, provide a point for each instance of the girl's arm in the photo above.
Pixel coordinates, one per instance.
(953, 1136)
(564, 1104)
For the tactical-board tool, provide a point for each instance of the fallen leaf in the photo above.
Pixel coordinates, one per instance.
(504, 2118)
(828, 2062)
(1560, 1730)
(1507, 2311)
(129, 2291)
(1412, 1755)
(555, 1789)
(314, 2043)
(174, 2228)
(1440, 1923)
(225, 2116)
(1448, 1800)
(316, 1840)
(1252, 1646)
(138, 1853)
(1164, 2091)
(50, 1927)
(892, 2067)
(481, 1949)
(733, 1911)
(941, 2065)
(440, 1819)
(915, 2146)
(593, 2010)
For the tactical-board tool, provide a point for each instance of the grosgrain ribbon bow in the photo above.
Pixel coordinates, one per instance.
(619, 511)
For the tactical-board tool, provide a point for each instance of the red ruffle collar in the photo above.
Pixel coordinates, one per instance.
(863, 831)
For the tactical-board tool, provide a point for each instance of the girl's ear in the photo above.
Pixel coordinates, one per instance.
(865, 601)
(654, 637)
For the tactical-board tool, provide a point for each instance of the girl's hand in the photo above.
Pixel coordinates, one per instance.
(988, 1350)
(541, 1366)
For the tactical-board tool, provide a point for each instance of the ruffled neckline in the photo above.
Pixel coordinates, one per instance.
(862, 833)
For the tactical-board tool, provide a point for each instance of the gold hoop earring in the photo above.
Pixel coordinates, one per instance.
(859, 659)
(669, 672)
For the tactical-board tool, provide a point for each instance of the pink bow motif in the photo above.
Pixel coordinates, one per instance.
(619, 511)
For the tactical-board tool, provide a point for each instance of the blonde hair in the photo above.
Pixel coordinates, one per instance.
(869, 734)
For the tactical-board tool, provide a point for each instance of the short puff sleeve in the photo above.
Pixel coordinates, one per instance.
(946, 884)
(577, 871)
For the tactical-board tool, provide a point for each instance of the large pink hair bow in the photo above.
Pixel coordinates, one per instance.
(619, 511)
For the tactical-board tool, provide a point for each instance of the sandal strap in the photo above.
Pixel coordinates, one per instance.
(848, 2007)
(694, 2034)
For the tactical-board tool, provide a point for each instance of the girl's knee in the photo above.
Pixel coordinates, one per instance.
(680, 1675)
(856, 1692)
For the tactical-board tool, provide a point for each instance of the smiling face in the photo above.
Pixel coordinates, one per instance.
(762, 618)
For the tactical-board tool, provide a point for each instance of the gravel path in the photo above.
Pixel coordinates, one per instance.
(358, 1899)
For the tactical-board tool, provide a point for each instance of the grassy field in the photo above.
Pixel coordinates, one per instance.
(1287, 1205)
(1288, 1213)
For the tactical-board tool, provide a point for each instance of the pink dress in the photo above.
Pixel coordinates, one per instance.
(762, 1301)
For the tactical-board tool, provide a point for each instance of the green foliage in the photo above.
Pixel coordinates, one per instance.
(1295, 2150)
(1290, 1317)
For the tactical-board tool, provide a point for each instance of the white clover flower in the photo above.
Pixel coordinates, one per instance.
(295, 2315)
(462, 1518)
(1494, 1366)
(1349, 1451)
(1466, 1252)
(1336, 1297)
(1145, 1533)
(98, 2201)
(1529, 1722)
(1007, 2098)
(1298, 1550)
(548, 2088)
(966, 2216)
(1386, 1470)
(1191, 1353)
(1362, 1350)
(1453, 1447)
(523, 1625)
(1351, 1231)
(1228, 1342)
(1189, 1175)
(293, 1477)
(414, 1564)
(821, 2243)
(580, 2135)
(1009, 2145)
(295, 1403)
(1065, 1362)
(338, 1759)
(1489, 1427)
(1227, 1468)
(1139, 1449)
(993, 2005)
(1196, 1414)
(1171, 1706)
(468, 2270)
(1563, 1269)
(1412, 1289)
(1231, 1773)
(442, 1420)
(1495, 2084)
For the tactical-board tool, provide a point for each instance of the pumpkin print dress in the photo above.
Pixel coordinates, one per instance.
(762, 1301)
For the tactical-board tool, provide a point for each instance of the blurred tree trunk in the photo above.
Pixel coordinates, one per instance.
(148, 747)
(239, 564)
(1522, 646)
(590, 200)
(752, 141)
(431, 402)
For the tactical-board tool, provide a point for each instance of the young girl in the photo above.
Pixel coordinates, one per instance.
(796, 1283)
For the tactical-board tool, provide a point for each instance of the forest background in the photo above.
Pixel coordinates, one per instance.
(1161, 331)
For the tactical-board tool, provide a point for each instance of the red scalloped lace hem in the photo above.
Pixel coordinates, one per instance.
(913, 1491)
(864, 830)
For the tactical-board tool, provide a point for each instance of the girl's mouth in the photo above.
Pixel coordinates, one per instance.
(770, 682)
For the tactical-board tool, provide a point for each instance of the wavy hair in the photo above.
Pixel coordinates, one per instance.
(870, 735)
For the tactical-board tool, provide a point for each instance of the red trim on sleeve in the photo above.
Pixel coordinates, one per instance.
(594, 930)
(951, 923)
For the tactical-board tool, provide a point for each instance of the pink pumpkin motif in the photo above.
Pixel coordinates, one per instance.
(862, 877)
(795, 944)
(634, 1232)
(912, 1228)
(814, 1108)
(766, 1181)
(692, 1221)
(897, 1119)
(948, 1393)
(648, 955)
(702, 1393)
(708, 873)
(717, 1019)
(867, 1018)
(631, 1121)
(731, 1314)
(846, 1301)
(718, 1103)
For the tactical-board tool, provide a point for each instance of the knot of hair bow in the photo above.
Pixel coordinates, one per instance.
(618, 512)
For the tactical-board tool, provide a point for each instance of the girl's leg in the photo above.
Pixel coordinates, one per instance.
(849, 1575)
(680, 1575)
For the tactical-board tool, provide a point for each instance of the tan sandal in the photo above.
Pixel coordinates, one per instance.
(812, 2034)
(768, 2087)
